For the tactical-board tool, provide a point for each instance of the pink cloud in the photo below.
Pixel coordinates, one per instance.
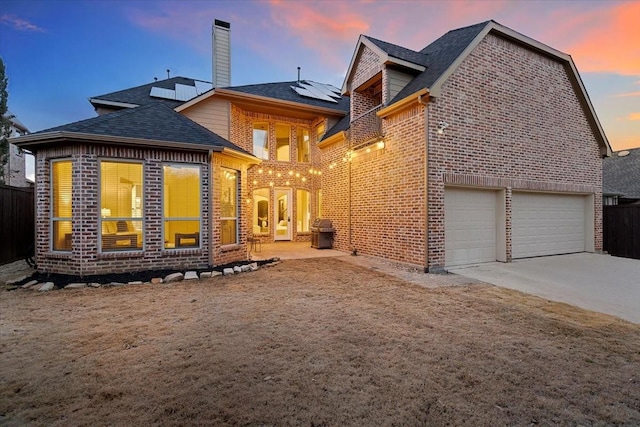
(627, 95)
(634, 117)
(20, 24)
(609, 40)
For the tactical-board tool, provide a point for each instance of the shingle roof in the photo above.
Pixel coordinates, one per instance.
(140, 95)
(342, 125)
(621, 175)
(440, 55)
(156, 122)
(401, 52)
(283, 91)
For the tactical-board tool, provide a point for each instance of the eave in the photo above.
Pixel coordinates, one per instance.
(99, 101)
(333, 139)
(403, 104)
(34, 141)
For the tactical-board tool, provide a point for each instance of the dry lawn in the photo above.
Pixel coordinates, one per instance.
(312, 343)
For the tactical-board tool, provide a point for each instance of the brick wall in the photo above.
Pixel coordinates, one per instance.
(515, 123)
(271, 174)
(85, 258)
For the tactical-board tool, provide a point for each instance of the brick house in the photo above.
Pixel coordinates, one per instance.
(482, 146)
(15, 168)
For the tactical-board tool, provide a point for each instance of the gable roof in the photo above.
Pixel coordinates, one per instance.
(141, 95)
(399, 52)
(621, 174)
(444, 55)
(154, 124)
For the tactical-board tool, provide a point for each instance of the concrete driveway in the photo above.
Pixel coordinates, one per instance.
(601, 283)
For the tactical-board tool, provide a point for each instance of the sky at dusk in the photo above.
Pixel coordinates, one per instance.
(60, 53)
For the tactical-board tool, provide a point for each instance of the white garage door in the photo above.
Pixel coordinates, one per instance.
(547, 224)
(470, 226)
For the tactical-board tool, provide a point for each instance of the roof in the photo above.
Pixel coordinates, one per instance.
(141, 95)
(621, 174)
(342, 125)
(154, 122)
(284, 92)
(15, 122)
(441, 54)
(400, 52)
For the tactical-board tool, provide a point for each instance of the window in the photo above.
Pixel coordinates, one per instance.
(303, 145)
(303, 210)
(320, 131)
(61, 189)
(283, 143)
(319, 204)
(260, 223)
(229, 206)
(181, 200)
(261, 140)
(121, 206)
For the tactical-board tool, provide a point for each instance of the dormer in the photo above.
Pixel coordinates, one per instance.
(377, 73)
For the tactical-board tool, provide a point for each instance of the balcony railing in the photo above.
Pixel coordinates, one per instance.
(366, 129)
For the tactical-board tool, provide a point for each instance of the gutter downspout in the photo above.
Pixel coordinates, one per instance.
(426, 182)
(210, 185)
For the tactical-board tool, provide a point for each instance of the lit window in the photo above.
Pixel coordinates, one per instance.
(283, 143)
(181, 201)
(303, 205)
(320, 131)
(229, 206)
(260, 221)
(319, 204)
(121, 206)
(303, 145)
(261, 140)
(61, 188)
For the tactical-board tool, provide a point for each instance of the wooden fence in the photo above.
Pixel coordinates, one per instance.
(621, 230)
(17, 230)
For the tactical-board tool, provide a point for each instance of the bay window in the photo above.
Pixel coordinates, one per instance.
(228, 179)
(181, 199)
(121, 205)
(61, 189)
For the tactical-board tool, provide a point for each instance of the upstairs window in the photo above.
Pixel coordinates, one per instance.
(61, 189)
(181, 206)
(261, 140)
(320, 131)
(303, 145)
(283, 143)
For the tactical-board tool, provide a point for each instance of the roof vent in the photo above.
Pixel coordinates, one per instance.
(623, 153)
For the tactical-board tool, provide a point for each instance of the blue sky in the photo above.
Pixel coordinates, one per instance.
(60, 53)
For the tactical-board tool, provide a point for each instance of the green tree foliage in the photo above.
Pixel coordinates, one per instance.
(5, 123)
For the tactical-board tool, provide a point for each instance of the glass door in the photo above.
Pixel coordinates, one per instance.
(282, 214)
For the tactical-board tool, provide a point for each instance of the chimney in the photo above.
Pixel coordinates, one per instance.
(221, 39)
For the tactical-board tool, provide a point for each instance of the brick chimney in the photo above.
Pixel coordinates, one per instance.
(221, 39)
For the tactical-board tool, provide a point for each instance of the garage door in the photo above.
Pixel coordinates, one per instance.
(470, 226)
(547, 224)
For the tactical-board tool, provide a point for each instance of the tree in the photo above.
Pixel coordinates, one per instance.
(5, 123)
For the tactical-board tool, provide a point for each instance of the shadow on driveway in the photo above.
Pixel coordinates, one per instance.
(601, 283)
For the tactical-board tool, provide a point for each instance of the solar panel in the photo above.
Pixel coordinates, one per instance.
(184, 92)
(159, 92)
(202, 87)
(181, 92)
(316, 90)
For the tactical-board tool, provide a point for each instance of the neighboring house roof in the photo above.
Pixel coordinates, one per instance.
(16, 123)
(621, 174)
(152, 124)
(141, 95)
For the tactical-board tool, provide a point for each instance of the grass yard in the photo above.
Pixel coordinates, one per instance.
(312, 343)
